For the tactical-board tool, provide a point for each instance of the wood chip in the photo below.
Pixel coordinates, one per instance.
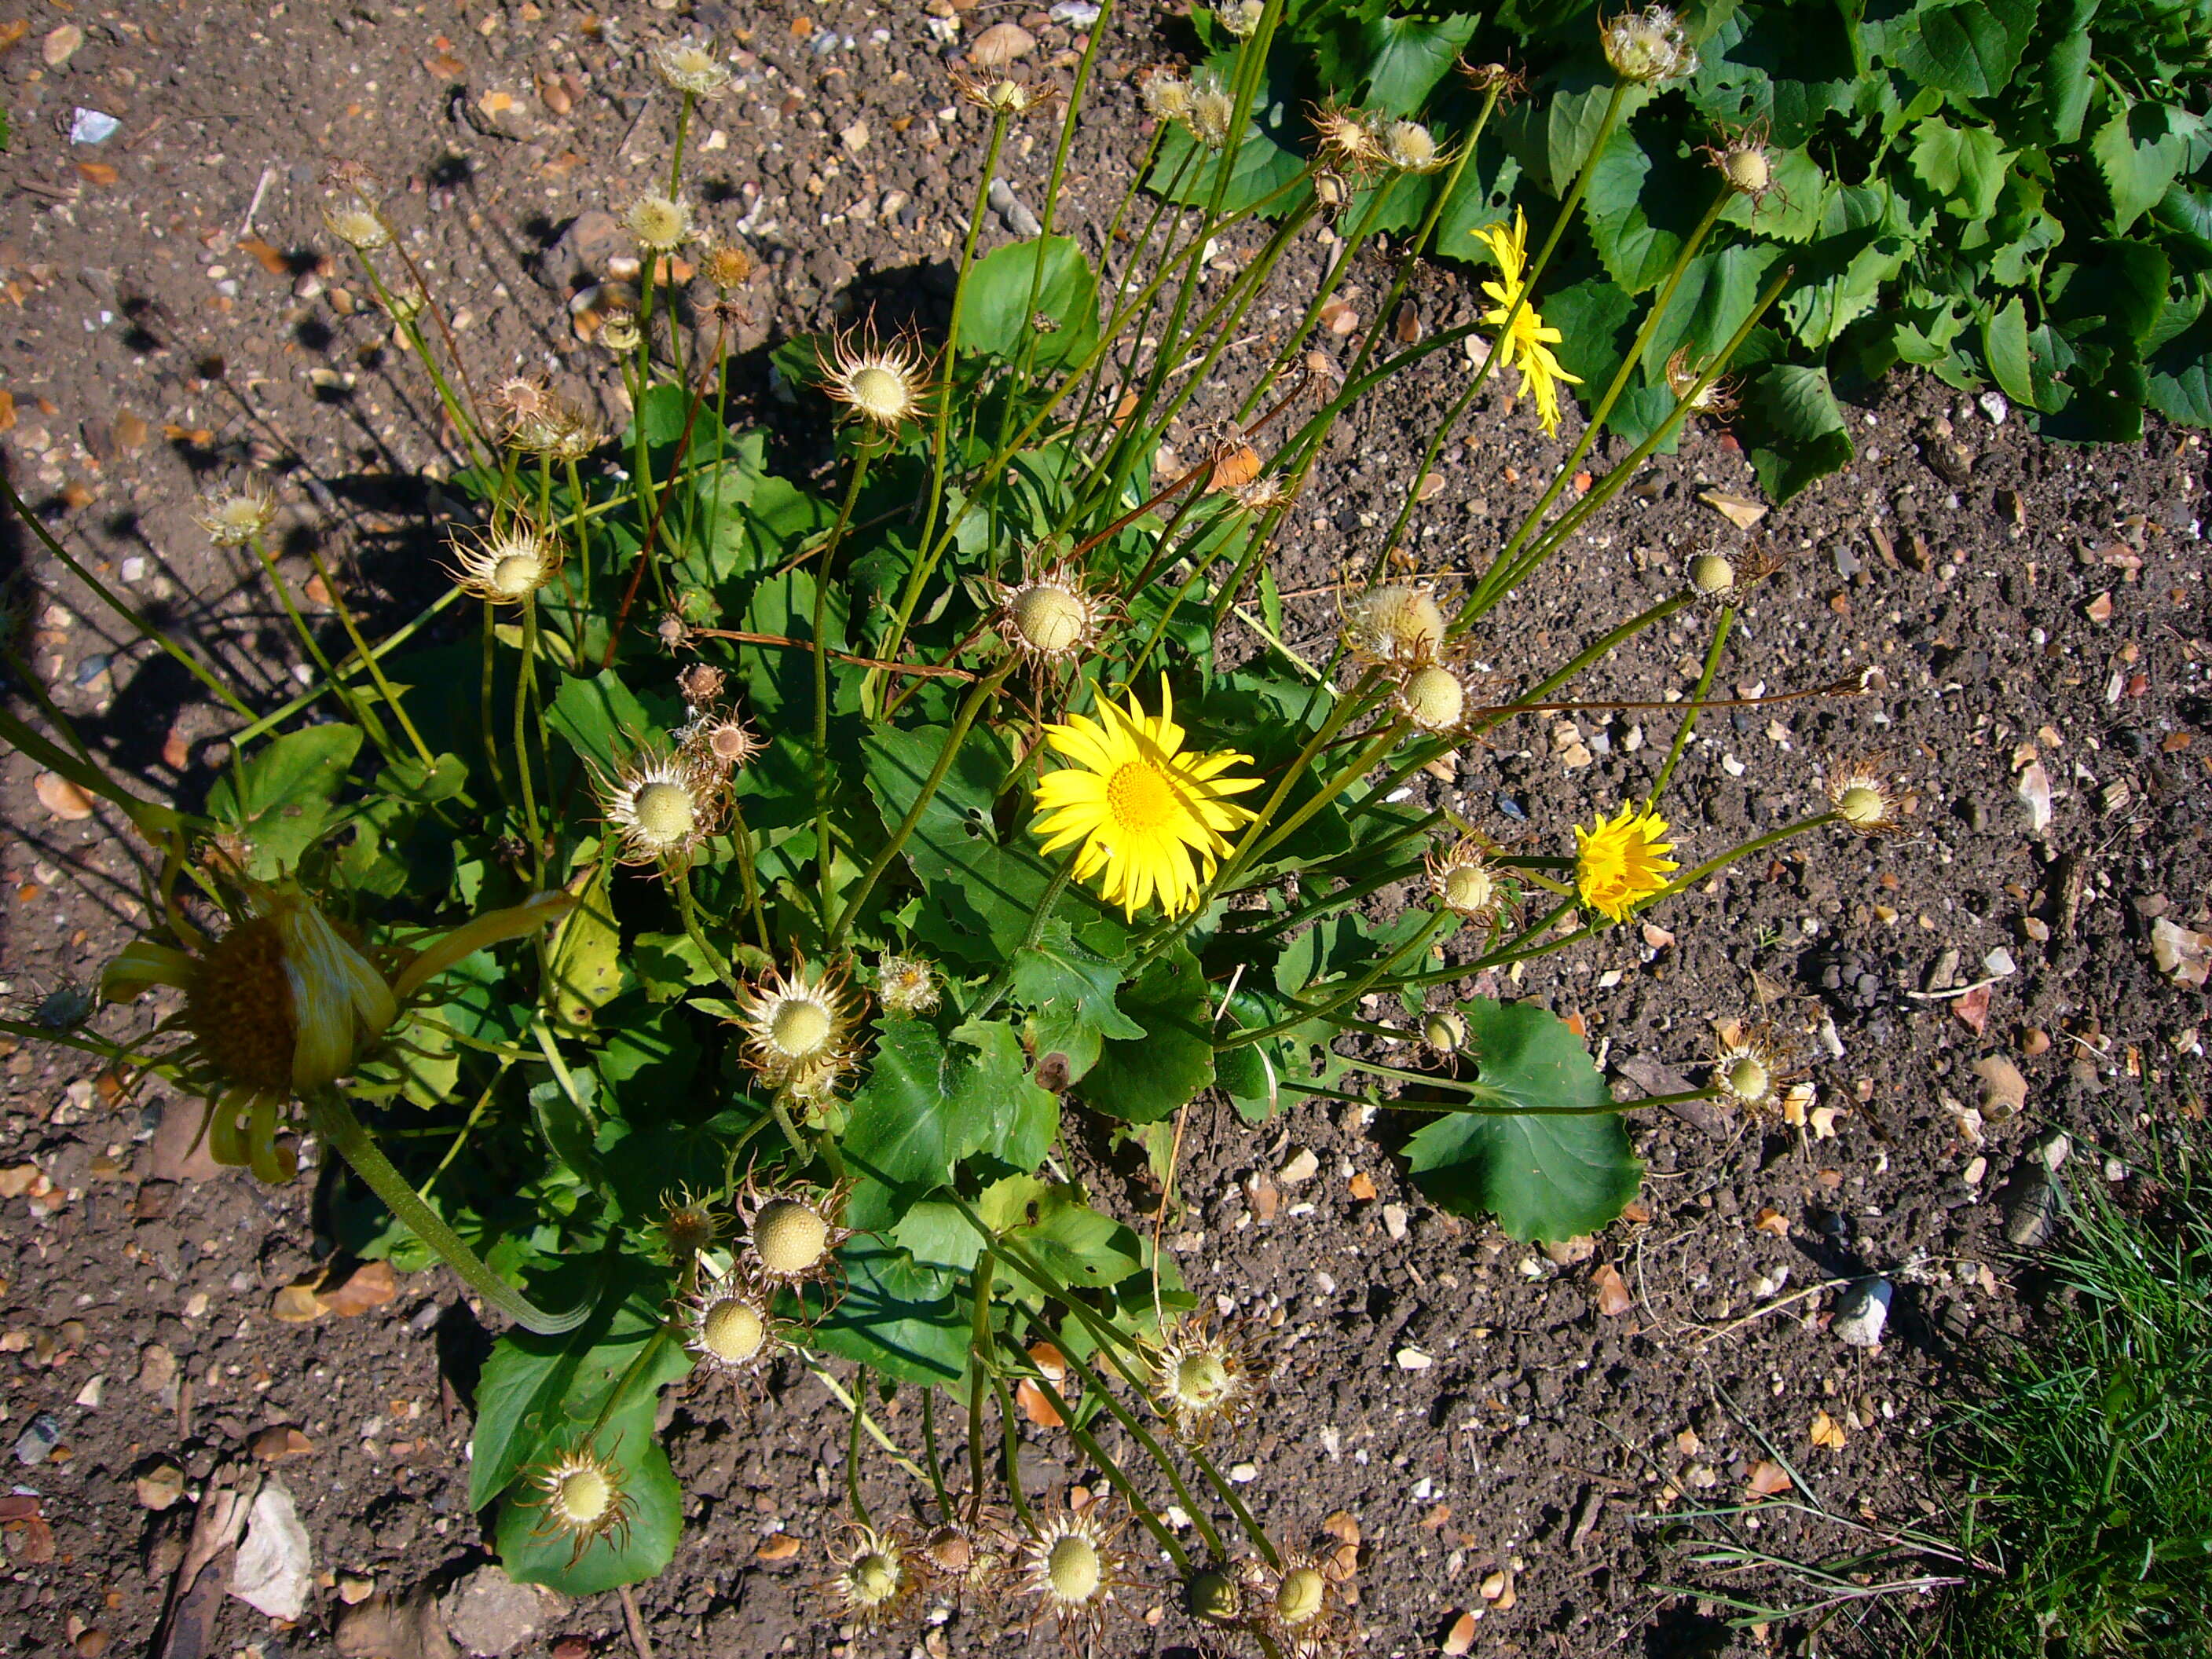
(1362, 1187)
(297, 1304)
(102, 173)
(1767, 1479)
(279, 1445)
(1613, 1298)
(1770, 1221)
(61, 798)
(1739, 512)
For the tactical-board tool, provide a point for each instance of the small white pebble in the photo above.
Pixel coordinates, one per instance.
(1413, 1359)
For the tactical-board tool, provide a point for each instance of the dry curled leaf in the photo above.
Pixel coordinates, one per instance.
(1826, 1432)
(297, 1304)
(1742, 514)
(781, 1546)
(369, 1286)
(1767, 1479)
(1613, 1298)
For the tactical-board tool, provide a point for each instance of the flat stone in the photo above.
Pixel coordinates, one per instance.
(1861, 1313)
(488, 1614)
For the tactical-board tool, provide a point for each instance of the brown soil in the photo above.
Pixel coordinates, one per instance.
(1466, 1398)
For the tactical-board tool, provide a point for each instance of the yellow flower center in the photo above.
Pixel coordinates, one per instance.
(665, 812)
(800, 1027)
(239, 1007)
(582, 1495)
(789, 1236)
(878, 393)
(1747, 1078)
(1049, 619)
(1298, 1597)
(733, 1330)
(1200, 1379)
(1434, 697)
(1139, 798)
(1862, 804)
(1469, 888)
(1073, 1569)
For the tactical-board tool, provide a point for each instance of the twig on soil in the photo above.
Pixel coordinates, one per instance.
(1945, 996)
(261, 190)
(638, 1639)
(1710, 1332)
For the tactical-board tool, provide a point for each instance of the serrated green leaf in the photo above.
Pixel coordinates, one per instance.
(906, 1319)
(2140, 150)
(1409, 55)
(1559, 1166)
(1080, 1248)
(925, 1107)
(1964, 166)
(1807, 438)
(2004, 345)
(1969, 48)
(1069, 989)
(278, 797)
(1143, 1079)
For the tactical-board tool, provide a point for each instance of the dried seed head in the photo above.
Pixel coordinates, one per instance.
(1711, 573)
(661, 224)
(356, 223)
(686, 1226)
(237, 517)
(1409, 147)
(1432, 697)
(1202, 1378)
(724, 743)
(1445, 1031)
(1215, 1597)
(663, 806)
(876, 1574)
(1466, 881)
(1750, 1065)
(1748, 170)
(733, 1330)
(906, 986)
(1263, 494)
(799, 1027)
(789, 1235)
(1240, 17)
(1717, 398)
(688, 65)
(1860, 794)
(883, 385)
(701, 684)
(1648, 46)
(727, 267)
(506, 564)
(1003, 95)
(1074, 1568)
(1395, 623)
(1166, 96)
(1509, 82)
(1069, 1564)
(1050, 617)
(1747, 1078)
(583, 1499)
(1212, 106)
(1301, 1597)
(618, 330)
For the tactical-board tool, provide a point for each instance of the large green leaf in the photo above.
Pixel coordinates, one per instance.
(1069, 989)
(2141, 149)
(925, 1106)
(903, 1317)
(1969, 48)
(279, 797)
(1000, 317)
(1410, 54)
(1542, 1156)
(1806, 437)
(1074, 1243)
(1143, 1079)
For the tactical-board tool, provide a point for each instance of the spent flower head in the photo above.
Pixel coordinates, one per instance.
(689, 65)
(1410, 147)
(730, 1327)
(1861, 796)
(356, 221)
(1166, 96)
(236, 518)
(1240, 18)
(1433, 698)
(582, 1498)
(907, 986)
(883, 383)
(726, 266)
(1070, 1564)
(1051, 617)
(1213, 107)
(1717, 398)
(687, 1224)
(660, 224)
(1398, 624)
(1750, 1066)
(663, 806)
(877, 1572)
(1621, 862)
(1468, 881)
(1746, 162)
(1008, 96)
(799, 1027)
(504, 564)
(1204, 1376)
(1149, 817)
(1648, 46)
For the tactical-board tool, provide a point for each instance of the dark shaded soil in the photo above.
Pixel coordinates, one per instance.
(1462, 1396)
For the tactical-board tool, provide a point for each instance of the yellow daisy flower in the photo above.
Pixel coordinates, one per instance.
(1528, 345)
(1140, 807)
(1622, 861)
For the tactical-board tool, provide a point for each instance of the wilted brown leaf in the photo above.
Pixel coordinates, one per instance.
(297, 1304)
(1826, 1432)
(779, 1547)
(1770, 1221)
(1034, 1406)
(1613, 1298)
(369, 1286)
(1768, 1479)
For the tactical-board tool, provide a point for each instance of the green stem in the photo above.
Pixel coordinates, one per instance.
(362, 714)
(978, 695)
(1696, 702)
(1169, 1543)
(331, 1117)
(823, 848)
(138, 625)
(525, 686)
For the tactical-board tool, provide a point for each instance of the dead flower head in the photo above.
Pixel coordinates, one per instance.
(660, 224)
(1166, 96)
(1861, 797)
(1070, 1565)
(507, 564)
(726, 266)
(1397, 624)
(1746, 160)
(1648, 46)
(877, 1573)
(883, 383)
(798, 1028)
(1410, 147)
(1206, 1376)
(1212, 106)
(689, 66)
(792, 1233)
(663, 806)
(1345, 139)
(236, 518)
(1750, 1064)
(1299, 1602)
(1468, 881)
(1050, 617)
(907, 986)
(1006, 95)
(582, 1497)
(730, 1327)
(1433, 698)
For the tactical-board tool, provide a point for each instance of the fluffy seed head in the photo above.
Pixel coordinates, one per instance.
(690, 66)
(727, 267)
(661, 224)
(1240, 17)
(1212, 106)
(1648, 46)
(1166, 96)
(506, 564)
(1410, 148)
(236, 517)
(1711, 573)
(354, 221)
(1395, 623)
(907, 986)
